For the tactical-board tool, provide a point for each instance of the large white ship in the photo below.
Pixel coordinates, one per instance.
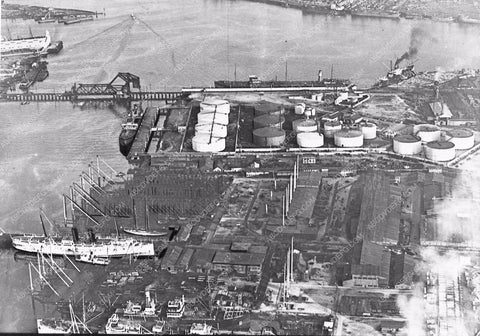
(25, 45)
(52, 326)
(102, 247)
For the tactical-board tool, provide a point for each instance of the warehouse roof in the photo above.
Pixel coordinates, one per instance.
(232, 258)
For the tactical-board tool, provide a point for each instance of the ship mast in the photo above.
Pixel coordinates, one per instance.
(146, 215)
(134, 214)
(43, 226)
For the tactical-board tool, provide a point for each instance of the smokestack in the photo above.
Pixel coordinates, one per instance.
(320, 75)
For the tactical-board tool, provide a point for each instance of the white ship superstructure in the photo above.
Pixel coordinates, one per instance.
(31, 44)
(102, 247)
(52, 326)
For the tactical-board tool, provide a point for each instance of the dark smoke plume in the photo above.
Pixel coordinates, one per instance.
(417, 38)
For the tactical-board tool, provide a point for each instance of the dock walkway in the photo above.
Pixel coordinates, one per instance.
(142, 139)
(169, 97)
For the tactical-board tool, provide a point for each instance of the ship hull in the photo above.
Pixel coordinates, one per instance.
(333, 84)
(125, 141)
(111, 248)
(38, 43)
(145, 233)
(45, 328)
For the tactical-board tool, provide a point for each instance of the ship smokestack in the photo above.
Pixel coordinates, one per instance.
(75, 234)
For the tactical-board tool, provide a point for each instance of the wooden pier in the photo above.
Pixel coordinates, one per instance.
(169, 97)
(143, 136)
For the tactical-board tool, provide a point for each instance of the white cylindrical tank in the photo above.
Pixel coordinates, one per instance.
(310, 112)
(216, 129)
(331, 127)
(268, 137)
(219, 105)
(427, 132)
(461, 138)
(348, 138)
(300, 109)
(309, 140)
(369, 130)
(205, 143)
(268, 120)
(304, 125)
(440, 151)
(407, 144)
(266, 107)
(210, 118)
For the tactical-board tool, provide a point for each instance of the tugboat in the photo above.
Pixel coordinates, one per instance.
(130, 128)
(55, 47)
(396, 75)
(58, 326)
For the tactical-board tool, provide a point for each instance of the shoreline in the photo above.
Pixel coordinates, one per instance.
(378, 14)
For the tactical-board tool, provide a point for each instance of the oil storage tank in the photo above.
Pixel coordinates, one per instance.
(369, 130)
(218, 105)
(266, 107)
(461, 138)
(304, 125)
(268, 120)
(407, 144)
(207, 143)
(216, 130)
(331, 127)
(348, 138)
(440, 151)
(268, 137)
(212, 117)
(427, 132)
(309, 140)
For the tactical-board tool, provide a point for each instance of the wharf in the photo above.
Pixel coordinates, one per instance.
(143, 137)
(99, 96)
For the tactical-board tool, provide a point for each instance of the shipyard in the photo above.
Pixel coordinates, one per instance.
(258, 198)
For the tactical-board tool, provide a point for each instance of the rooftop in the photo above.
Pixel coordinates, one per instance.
(254, 259)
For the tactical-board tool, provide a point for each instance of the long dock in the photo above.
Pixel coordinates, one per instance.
(169, 96)
(143, 137)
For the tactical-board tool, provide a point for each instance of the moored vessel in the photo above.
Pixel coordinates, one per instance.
(25, 46)
(130, 127)
(102, 247)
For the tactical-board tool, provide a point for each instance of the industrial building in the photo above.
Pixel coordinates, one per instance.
(241, 262)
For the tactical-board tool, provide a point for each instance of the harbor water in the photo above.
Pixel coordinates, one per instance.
(169, 44)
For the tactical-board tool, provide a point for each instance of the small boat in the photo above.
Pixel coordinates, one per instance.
(92, 259)
(145, 233)
(55, 47)
(158, 327)
(201, 329)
